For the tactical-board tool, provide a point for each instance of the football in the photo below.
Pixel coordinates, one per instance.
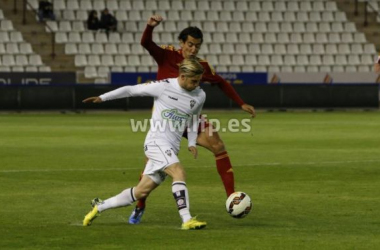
(238, 205)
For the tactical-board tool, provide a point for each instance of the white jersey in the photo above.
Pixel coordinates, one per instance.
(175, 109)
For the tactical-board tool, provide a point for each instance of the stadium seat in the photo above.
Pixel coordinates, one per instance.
(59, 5)
(17, 68)
(134, 60)
(224, 60)
(341, 60)
(74, 37)
(35, 60)
(96, 48)
(117, 69)
(103, 71)
(324, 68)
(120, 60)
(112, 5)
(147, 60)
(4, 36)
(286, 68)
(331, 49)
(114, 38)
(21, 60)
(85, 5)
(344, 48)
(106, 60)
(80, 60)
(25, 48)
(16, 37)
(305, 49)
(215, 49)
(6, 25)
(250, 60)
(123, 49)
(12, 48)
(31, 69)
(237, 60)
(247, 68)
(110, 49)
(267, 49)
(251, 16)
(90, 72)
(98, 5)
(68, 15)
(279, 49)
(276, 60)
(241, 48)
(337, 68)
(176, 5)
(315, 60)
(328, 60)
(126, 5)
(234, 27)
(302, 59)
(263, 60)
(71, 49)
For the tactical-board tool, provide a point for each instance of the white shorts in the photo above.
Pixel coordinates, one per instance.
(160, 156)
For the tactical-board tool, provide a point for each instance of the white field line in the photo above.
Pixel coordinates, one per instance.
(193, 166)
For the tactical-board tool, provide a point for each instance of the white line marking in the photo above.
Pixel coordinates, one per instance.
(192, 166)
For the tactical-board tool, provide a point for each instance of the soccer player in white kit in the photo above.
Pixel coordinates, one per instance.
(177, 106)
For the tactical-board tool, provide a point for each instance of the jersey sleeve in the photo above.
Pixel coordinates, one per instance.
(153, 89)
(154, 50)
(228, 90)
(192, 132)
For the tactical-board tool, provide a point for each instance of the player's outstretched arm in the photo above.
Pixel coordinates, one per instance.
(94, 99)
(194, 151)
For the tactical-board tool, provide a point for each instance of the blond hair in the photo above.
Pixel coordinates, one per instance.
(190, 67)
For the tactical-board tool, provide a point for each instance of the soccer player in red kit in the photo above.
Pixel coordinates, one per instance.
(168, 60)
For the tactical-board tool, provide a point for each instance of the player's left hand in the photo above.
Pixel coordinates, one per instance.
(249, 109)
(94, 99)
(194, 151)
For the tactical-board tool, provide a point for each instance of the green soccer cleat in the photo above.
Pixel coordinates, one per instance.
(93, 214)
(193, 224)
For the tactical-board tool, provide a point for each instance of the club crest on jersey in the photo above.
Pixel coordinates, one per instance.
(192, 103)
(168, 152)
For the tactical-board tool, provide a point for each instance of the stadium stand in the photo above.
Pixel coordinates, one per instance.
(239, 35)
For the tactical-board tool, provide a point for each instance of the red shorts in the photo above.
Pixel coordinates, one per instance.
(203, 123)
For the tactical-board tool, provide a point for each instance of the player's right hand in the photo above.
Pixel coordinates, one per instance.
(155, 20)
(94, 99)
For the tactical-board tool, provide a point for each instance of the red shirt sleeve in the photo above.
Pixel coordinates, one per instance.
(211, 77)
(147, 42)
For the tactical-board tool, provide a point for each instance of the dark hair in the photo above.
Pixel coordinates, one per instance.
(191, 31)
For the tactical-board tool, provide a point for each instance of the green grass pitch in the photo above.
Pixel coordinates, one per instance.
(314, 178)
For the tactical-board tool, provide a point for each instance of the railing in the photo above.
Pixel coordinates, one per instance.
(25, 4)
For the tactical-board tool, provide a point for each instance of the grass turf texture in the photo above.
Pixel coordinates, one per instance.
(313, 178)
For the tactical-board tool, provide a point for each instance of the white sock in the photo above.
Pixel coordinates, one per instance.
(181, 196)
(125, 198)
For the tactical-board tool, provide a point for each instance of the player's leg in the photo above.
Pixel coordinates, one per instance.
(125, 198)
(139, 210)
(181, 196)
(210, 139)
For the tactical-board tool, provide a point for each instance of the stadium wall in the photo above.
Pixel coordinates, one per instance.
(70, 96)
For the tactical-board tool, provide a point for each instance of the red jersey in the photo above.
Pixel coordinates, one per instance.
(168, 58)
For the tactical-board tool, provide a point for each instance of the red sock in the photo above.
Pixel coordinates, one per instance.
(225, 171)
(141, 202)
